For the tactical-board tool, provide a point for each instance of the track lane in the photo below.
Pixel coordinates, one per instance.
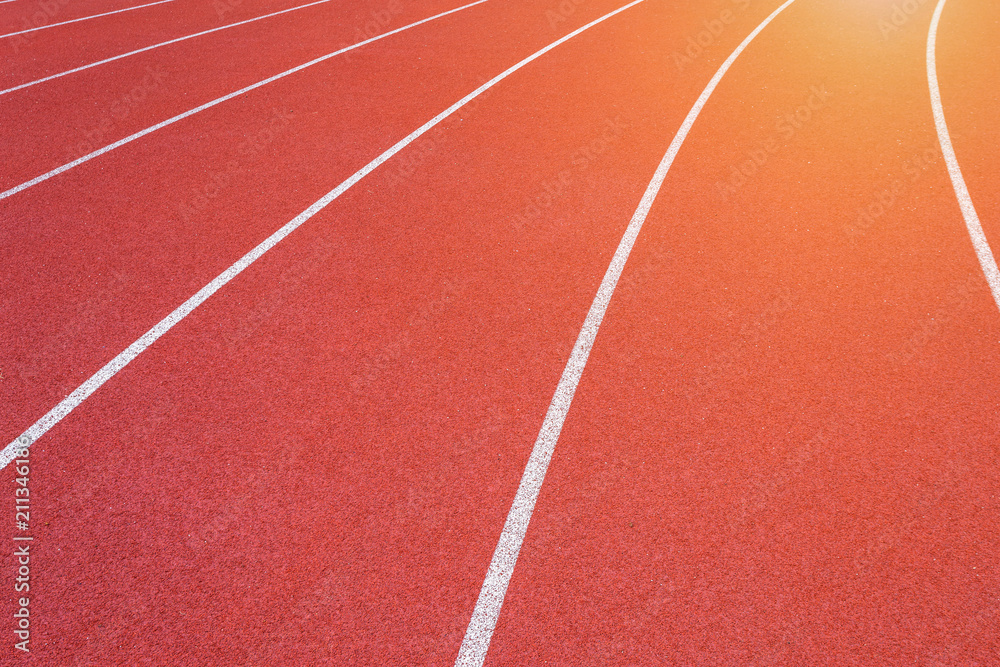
(112, 102)
(157, 77)
(149, 338)
(397, 486)
(784, 448)
(26, 14)
(26, 31)
(276, 365)
(488, 606)
(97, 302)
(984, 249)
(143, 44)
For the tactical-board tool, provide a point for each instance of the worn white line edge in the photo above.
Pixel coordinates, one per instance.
(208, 105)
(155, 46)
(92, 384)
(84, 18)
(986, 259)
(484, 618)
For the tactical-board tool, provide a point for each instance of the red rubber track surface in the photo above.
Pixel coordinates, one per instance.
(59, 48)
(783, 451)
(27, 15)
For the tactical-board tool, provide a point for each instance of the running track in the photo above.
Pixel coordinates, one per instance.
(783, 448)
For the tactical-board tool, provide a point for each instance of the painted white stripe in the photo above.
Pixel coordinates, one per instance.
(986, 259)
(156, 46)
(3, 2)
(208, 105)
(68, 404)
(484, 618)
(85, 18)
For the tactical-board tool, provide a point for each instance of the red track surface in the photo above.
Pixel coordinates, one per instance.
(784, 448)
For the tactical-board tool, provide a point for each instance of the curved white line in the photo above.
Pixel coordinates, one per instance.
(979, 242)
(208, 105)
(154, 46)
(71, 402)
(484, 618)
(85, 18)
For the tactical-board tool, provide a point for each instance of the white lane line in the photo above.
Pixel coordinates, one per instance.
(68, 404)
(3, 2)
(85, 18)
(208, 105)
(155, 46)
(484, 618)
(986, 259)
